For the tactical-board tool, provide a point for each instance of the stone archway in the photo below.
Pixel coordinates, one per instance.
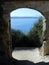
(42, 6)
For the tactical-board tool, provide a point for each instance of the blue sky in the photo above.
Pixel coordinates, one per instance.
(23, 19)
(25, 12)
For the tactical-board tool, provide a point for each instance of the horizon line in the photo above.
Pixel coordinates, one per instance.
(24, 17)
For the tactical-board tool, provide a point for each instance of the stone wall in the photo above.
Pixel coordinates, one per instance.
(46, 44)
(4, 34)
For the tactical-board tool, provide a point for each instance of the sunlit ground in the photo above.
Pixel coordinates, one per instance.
(29, 54)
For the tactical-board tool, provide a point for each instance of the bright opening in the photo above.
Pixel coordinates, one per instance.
(23, 19)
(27, 33)
(26, 27)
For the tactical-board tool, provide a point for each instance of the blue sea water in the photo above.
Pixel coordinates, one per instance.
(24, 24)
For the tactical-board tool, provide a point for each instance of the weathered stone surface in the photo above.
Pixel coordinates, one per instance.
(42, 6)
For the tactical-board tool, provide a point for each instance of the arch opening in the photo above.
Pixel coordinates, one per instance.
(23, 13)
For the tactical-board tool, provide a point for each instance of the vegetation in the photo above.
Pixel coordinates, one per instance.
(36, 31)
(32, 39)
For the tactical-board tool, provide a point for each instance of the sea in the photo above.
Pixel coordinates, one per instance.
(23, 24)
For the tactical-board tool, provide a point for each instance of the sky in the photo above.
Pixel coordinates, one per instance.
(23, 19)
(25, 12)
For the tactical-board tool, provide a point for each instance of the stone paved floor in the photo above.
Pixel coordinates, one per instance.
(29, 54)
